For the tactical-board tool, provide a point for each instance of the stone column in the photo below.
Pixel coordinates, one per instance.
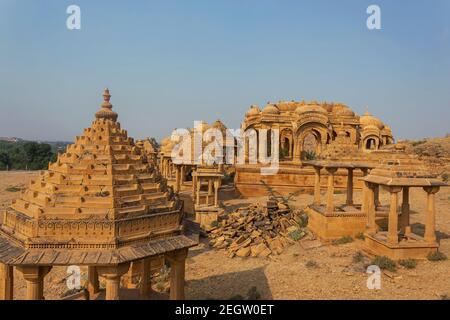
(370, 206)
(183, 173)
(6, 282)
(349, 201)
(177, 178)
(34, 278)
(177, 274)
(165, 168)
(393, 216)
(199, 184)
(112, 274)
(317, 186)
(364, 197)
(93, 282)
(194, 187)
(210, 191)
(297, 152)
(146, 287)
(404, 218)
(377, 196)
(216, 192)
(430, 221)
(330, 190)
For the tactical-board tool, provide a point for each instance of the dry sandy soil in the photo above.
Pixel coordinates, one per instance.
(210, 274)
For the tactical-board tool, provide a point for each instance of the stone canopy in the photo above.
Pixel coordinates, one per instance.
(100, 203)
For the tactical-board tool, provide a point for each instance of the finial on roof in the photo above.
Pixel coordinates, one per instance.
(106, 111)
(106, 95)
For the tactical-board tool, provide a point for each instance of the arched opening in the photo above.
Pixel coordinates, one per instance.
(371, 144)
(269, 143)
(310, 146)
(286, 146)
(188, 176)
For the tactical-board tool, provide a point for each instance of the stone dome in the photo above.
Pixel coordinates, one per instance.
(271, 109)
(310, 108)
(371, 127)
(253, 111)
(368, 119)
(219, 125)
(342, 110)
(287, 106)
(328, 106)
(387, 130)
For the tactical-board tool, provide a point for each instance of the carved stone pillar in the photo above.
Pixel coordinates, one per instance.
(377, 196)
(297, 152)
(177, 178)
(430, 221)
(404, 218)
(393, 216)
(317, 186)
(6, 282)
(364, 197)
(370, 206)
(112, 274)
(183, 173)
(216, 192)
(198, 185)
(177, 273)
(146, 287)
(93, 282)
(34, 278)
(194, 186)
(349, 201)
(330, 190)
(210, 191)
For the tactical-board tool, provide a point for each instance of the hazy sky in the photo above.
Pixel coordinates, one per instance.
(168, 63)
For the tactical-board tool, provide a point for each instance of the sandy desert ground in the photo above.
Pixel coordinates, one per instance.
(291, 275)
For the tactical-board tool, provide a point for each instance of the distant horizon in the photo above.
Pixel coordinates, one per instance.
(169, 63)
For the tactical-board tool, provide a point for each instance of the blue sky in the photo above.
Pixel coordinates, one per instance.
(168, 63)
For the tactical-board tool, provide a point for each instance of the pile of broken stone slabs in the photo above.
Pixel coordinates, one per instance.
(259, 230)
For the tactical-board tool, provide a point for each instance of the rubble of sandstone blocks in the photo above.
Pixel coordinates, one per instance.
(259, 231)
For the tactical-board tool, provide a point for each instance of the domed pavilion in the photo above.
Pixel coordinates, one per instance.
(305, 131)
(100, 205)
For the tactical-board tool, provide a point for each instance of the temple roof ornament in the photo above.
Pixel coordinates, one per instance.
(369, 120)
(106, 108)
(310, 108)
(270, 109)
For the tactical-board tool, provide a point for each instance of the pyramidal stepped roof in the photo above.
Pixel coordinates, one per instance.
(102, 175)
(101, 193)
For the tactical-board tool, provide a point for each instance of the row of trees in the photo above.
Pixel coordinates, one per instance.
(25, 155)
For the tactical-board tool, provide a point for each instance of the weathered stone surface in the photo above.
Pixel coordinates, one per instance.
(257, 231)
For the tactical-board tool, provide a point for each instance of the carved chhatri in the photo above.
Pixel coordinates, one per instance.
(101, 203)
(87, 196)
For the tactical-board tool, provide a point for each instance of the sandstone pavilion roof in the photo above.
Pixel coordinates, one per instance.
(99, 203)
(400, 169)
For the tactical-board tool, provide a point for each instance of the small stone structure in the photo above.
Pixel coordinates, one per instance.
(399, 241)
(100, 205)
(206, 204)
(330, 221)
(203, 172)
